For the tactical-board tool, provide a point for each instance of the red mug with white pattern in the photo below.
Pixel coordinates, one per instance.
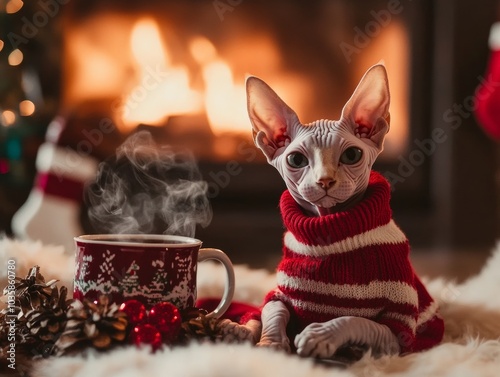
(146, 267)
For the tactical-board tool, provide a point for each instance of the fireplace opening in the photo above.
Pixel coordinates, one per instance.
(178, 70)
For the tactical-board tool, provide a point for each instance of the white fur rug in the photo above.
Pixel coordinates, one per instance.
(471, 346)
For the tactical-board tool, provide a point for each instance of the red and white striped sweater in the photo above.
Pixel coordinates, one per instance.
(354, 263)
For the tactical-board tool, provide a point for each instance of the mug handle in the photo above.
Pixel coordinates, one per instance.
(219, 255)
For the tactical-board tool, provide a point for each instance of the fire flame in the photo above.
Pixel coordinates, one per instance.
(163, 89)
(152, 102)
(225, 101)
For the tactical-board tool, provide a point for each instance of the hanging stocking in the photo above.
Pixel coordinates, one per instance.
(488, 94)
(51, 213)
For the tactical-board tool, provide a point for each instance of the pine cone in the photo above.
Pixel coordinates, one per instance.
(4, 343)
(39, 316)
(32, 291)
(92, 324)
(3, 328)
(47, 322)
(26, 344)
(196, 325)
(38, 329)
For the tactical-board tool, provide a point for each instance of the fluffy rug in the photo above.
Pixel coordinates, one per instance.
(471, 346)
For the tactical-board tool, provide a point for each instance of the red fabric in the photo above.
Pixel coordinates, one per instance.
(488, 98)
(235, 312)
(60, 186)
(381, 260)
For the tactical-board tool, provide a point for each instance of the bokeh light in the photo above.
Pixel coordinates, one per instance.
(8, 118)
(13, 6)
(26, 108)
(15, 57)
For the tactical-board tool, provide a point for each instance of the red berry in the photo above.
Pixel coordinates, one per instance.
(135, 311)
(146, 334)
(167, 319)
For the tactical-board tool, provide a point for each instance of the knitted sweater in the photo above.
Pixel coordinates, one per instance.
(354, 263)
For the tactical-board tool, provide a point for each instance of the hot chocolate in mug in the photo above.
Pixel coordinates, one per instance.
(148, 268)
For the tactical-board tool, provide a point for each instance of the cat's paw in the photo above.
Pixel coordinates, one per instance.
(234, 332)
(318, 340)
(279, 344)
(324, 339)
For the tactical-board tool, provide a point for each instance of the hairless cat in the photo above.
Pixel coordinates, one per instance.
(345, 277)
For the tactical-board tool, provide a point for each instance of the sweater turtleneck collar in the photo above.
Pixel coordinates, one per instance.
(371, 212)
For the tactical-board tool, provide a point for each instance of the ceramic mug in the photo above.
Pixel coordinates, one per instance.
(148, 268)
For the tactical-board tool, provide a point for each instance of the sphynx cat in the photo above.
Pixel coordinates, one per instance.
(326, 166)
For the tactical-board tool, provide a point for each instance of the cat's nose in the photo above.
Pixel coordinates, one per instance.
(326, 183)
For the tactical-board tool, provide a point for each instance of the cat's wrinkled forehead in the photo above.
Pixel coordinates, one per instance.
(322, 126)
(322, 132)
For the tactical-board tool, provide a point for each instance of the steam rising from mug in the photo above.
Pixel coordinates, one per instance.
(148, 188)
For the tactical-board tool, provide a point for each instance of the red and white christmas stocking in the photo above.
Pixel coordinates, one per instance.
(488, 93)
(51, 213)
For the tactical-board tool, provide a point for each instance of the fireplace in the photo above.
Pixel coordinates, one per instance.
(178, 70)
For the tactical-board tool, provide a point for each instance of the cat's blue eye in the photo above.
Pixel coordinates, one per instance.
(351, 156)
(297, 160)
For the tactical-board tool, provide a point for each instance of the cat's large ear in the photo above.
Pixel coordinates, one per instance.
(272, 119)
(368, 107)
